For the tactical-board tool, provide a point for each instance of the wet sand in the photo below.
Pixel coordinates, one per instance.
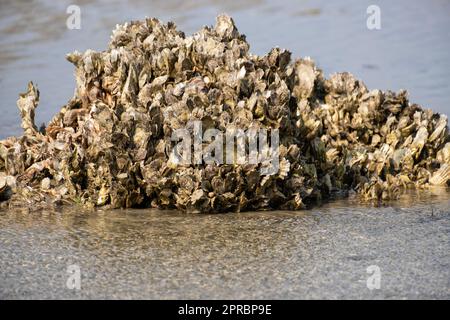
(318, 253)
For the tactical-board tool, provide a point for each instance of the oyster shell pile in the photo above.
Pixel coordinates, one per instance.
(110, 145)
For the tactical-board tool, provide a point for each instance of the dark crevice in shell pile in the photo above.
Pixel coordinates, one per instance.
(109, 145)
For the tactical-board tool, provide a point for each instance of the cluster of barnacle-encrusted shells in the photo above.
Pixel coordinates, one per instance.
(110, 145)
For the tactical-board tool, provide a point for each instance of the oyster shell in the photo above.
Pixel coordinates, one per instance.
(442, 176)
(7, 185)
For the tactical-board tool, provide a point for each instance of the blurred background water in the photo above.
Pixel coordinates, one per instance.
(411, 50)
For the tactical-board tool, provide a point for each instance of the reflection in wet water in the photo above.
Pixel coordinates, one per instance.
(322, 252)
(410, 51)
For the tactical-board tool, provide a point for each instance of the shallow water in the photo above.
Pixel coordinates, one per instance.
(319, 253)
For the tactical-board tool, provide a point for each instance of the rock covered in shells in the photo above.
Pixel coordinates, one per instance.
(110, 144)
